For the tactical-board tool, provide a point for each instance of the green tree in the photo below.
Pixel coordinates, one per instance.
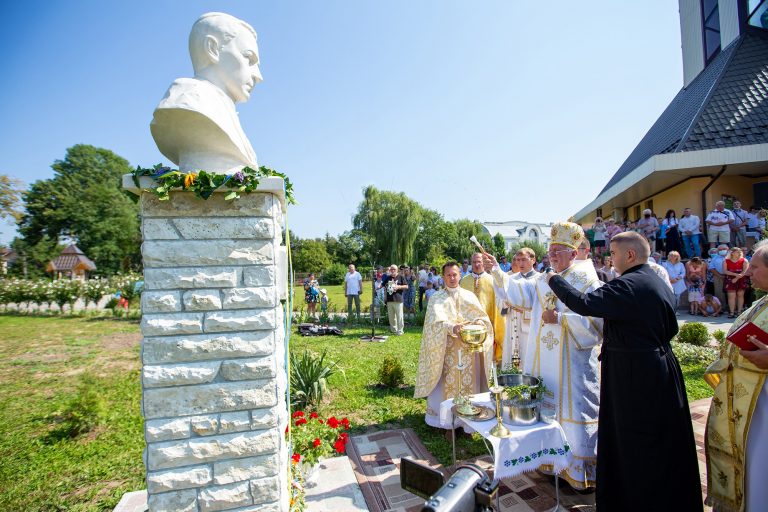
(537, 247)
(310, 256)
(391, 223)
(84, 202)
(462, 247)
(435, 236)
(499, 247)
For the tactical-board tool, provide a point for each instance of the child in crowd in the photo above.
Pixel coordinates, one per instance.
(710, 306)
(324, 300)
(695, 295)
(430, 291)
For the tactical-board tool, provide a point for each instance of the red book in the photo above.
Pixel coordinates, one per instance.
(739, 336)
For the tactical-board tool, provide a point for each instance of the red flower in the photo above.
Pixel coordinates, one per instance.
(344, 436)
(312, 415)
(316, 442)
(296, 458)
(297, 414)
(319, 421)
(345, 423)
(333, 422)
(286, 428)
(300, 421)
(339, 446)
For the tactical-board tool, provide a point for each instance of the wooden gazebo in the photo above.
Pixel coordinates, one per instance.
(71, 263)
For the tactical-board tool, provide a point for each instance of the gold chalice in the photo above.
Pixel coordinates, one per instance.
(473, 336)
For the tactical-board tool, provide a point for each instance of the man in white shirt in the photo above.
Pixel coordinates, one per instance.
(353, 287)
(422, 285)
(719, 225)
(739, 226)
(753, 232)
(465, 270)
(690, 227)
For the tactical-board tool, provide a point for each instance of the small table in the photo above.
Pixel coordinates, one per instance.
(528, 448)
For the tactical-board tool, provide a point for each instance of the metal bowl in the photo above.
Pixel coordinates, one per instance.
(520, 412)
(473, 336)
(512, 380)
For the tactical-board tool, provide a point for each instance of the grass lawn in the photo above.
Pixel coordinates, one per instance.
(336, 297)
(46, 360)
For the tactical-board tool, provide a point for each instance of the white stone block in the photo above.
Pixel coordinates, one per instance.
(200, 450)
(155, 376)
(242, 298)
(166, 324)
(176, 501)
(225, 497)
(158, 229)
(261, 507)
(166, 429)
(185, 253)
(207, 346)
(186, 278)
(185, 204)
(205, 425)
(160, 302)
(194, 228)
(265, 490)
(234, 422)
(237, 470)
(259, 275)
(263, 418)
(242, 320)
(248, 369)
(208, 398)
(177, 479)
(202, 300)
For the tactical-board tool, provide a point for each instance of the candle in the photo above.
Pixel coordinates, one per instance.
(459, 356)
(495, 377)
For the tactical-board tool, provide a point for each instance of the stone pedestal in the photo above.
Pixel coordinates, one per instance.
(213, 351)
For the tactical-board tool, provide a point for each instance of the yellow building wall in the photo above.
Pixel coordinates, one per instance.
(688, 194)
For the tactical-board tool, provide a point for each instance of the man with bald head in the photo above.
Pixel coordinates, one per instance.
(644, 427)
(480, 283)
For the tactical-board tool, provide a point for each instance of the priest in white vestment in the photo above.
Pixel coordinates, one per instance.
(562, 348)
(437, 377)
(518, 321)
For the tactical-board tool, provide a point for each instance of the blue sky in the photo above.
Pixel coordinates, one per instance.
(491, 110)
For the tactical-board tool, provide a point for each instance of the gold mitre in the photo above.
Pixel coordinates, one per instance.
(568, 234)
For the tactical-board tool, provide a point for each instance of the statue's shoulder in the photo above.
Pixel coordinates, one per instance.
(192, 94)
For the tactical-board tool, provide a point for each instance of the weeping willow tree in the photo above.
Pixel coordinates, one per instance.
(390, 221)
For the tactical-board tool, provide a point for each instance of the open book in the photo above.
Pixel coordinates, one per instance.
(739, 336)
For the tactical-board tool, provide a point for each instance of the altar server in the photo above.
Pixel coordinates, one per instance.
(645, 432)
(562, 348)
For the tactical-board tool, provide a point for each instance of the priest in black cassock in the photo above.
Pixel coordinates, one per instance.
(646, 452)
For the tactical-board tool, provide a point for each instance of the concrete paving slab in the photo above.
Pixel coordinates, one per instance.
(335, 488)
(135, 501)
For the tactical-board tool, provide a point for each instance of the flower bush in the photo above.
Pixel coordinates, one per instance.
(314, 438)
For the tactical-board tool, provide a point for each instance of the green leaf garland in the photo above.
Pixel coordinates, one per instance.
(204, 183)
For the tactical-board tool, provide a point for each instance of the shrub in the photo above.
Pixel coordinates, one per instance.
(391, 372)
(719, 335)
(333, 274)
(81, 413)
(694, 333)
(309, 378)
(691, 354)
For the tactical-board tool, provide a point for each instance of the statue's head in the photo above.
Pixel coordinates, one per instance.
(224, 52)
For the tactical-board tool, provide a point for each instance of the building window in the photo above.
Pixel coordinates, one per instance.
(757, 13)
(637, 214)
(711, 16)
(599, 212)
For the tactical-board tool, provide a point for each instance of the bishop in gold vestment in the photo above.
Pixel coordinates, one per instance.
(737, 426)
(481, 284)
(437, 377)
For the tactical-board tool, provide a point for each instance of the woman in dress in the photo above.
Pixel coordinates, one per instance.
(676, 271)
(600, 236)
(672, 232)
(311, 294)
(695, 277)
(734, 270)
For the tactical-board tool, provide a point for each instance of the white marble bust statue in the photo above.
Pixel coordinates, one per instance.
(196, 125)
